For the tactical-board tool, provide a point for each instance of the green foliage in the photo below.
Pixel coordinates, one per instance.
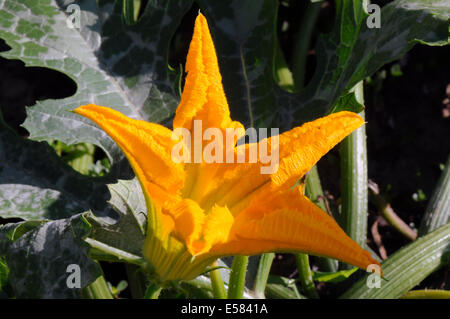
(38, 259)
(407, 267)
(120, 61)
(36, 184)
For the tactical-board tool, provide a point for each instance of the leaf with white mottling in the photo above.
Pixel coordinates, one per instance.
(115, 65)
(36, 184)
(127, 233)
(38, 260)
(244, 37)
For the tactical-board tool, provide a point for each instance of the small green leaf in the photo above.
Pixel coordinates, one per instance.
(348, 102)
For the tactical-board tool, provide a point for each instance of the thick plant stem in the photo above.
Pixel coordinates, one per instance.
(217, 283)
(302, 42)
(437, 213)
(97, 290)
(262, 275)
(314, 192)
(305, 276)
(354, 180)
(237, 277)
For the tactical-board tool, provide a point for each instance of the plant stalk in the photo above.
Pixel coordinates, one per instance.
(97, 290)
(354, 180)
(305, 276)
(265, 263)
(217, 283)
(237, 277)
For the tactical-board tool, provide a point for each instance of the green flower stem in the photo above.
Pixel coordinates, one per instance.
(314, 192)
(237, 277)
(262, 275)
(427, 294)
(97, 290)
(305, 276)
(153, 291)
(353, 151)
(217, 283)
(302, 40)
(388, 213)
(437, 213)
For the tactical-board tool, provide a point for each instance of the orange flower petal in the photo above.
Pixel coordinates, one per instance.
(216, 229)
(189, 219)
(198, 230)
(203, 96)
(299, 150)
(302, 147)
(290, 222)
(203, 99)
(148, 148)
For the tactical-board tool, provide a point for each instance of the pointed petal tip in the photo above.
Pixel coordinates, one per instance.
(352, 116)
(200, 15)
(86, 109)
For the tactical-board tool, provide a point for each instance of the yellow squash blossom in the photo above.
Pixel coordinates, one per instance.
(198, 212)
